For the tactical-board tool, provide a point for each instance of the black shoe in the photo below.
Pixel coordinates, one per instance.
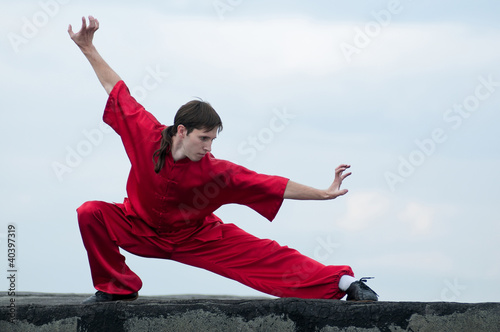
(105, 297)
(358, 291)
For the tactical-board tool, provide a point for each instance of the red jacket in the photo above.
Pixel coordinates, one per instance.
(179, 201)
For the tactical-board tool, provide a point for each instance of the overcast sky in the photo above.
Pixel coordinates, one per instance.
(407, 92)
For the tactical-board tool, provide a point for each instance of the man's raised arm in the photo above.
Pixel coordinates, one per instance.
(83, 39)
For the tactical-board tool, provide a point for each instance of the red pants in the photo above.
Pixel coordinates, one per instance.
(258, 263)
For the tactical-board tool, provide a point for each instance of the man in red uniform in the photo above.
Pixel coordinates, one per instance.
(175, 185)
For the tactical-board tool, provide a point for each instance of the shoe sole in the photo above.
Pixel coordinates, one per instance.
(131, 299)
(128, 300)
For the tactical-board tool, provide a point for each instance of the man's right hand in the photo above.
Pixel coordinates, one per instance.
(84, 37)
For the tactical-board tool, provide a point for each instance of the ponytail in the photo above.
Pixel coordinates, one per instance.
(166, 143)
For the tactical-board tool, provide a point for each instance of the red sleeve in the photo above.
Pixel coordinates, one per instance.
(129, 119)
(122, 108)
(263, 193)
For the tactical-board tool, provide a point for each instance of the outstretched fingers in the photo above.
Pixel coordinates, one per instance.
(84, 37)
(334, 189)
(93, 23)
(92, 27)
(345, 175)
(340, 169)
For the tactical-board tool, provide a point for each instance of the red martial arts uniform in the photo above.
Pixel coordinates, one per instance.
(170, 215)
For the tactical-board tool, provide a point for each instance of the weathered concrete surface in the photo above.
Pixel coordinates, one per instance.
(63, 312)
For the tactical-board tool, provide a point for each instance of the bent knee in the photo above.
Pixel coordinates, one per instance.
(88, 207)
(89, 211)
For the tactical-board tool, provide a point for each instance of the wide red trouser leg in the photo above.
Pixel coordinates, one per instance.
(99, 224)
(258, 263)
(263, 265)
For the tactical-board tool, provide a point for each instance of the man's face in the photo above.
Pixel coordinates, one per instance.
(198, 143)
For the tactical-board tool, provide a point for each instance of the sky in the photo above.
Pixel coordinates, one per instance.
(407, 92)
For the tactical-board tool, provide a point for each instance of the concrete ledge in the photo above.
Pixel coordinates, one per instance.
(63, 312)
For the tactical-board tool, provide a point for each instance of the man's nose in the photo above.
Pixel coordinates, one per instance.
(208, 147)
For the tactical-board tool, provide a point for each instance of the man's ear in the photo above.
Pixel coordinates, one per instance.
(182, 131)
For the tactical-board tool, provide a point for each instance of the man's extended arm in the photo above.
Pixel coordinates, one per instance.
(298, 191)
(83, 39)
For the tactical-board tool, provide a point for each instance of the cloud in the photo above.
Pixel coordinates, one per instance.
(285, 46)
(406, 216)
(363, 210)
(270, 48)
(365, 112)
(433, 261)
(419, 217)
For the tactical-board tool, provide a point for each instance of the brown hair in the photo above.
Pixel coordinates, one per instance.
(195, 114)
